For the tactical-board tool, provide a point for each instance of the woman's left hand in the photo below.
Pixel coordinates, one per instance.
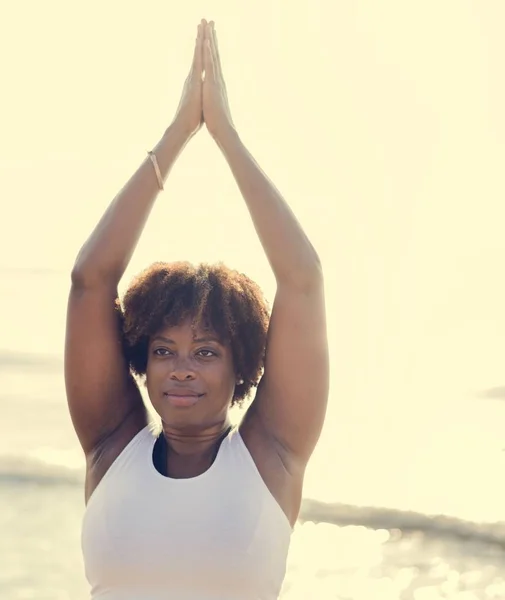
(216, 110)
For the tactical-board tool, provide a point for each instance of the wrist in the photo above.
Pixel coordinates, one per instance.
(168, 148)
(227, 138)
(178, 132)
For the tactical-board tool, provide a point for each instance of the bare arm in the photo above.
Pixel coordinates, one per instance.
(292, 396)
(101, 393)
(106, 254)
(293, 259)
(290, 404)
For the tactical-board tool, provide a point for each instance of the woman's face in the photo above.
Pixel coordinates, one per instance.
(190, 376)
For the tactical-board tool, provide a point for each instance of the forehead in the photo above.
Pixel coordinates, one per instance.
(189, 329)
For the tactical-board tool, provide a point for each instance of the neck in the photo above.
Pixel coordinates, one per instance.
(190, 442)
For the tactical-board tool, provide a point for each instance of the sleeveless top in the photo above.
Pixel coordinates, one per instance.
(218, 536)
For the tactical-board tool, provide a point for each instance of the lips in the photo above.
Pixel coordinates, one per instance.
(182, 397)
(181, 392)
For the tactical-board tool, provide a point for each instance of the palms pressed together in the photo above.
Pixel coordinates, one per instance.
(204, 98)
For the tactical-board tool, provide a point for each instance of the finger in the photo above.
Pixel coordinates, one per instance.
(208, 61)
(212, 36)
(217, 57)
(197, 66)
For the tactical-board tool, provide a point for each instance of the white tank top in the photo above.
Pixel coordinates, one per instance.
(218, 536)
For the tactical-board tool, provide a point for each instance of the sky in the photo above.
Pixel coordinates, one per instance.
(381, 123)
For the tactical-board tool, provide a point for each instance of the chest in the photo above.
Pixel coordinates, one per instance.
(181, 534)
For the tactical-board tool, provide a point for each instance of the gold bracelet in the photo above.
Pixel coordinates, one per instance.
(154, 160)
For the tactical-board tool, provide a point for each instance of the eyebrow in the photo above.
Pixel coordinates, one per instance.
(208, 338)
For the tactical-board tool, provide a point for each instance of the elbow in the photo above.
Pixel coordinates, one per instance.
(81, 278)
(84, 278)
(81, 274)
(306, 277)
(312, 277)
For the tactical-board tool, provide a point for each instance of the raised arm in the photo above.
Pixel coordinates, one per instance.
(101, 393)
(291, 400)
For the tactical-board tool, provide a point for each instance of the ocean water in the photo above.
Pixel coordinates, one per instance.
(390, 512)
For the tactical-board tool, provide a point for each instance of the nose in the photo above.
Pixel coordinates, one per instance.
(182, 371)
(182, 376)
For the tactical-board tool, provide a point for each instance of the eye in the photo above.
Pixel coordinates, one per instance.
(161, 352)
(206, 353)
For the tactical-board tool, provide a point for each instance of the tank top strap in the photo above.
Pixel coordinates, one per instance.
(236, 458)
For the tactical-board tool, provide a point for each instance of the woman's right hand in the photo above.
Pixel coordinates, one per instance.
(189, 114)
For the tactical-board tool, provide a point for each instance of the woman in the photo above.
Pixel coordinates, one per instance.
(203, 510)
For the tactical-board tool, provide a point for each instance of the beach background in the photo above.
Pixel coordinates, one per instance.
(383, 126)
